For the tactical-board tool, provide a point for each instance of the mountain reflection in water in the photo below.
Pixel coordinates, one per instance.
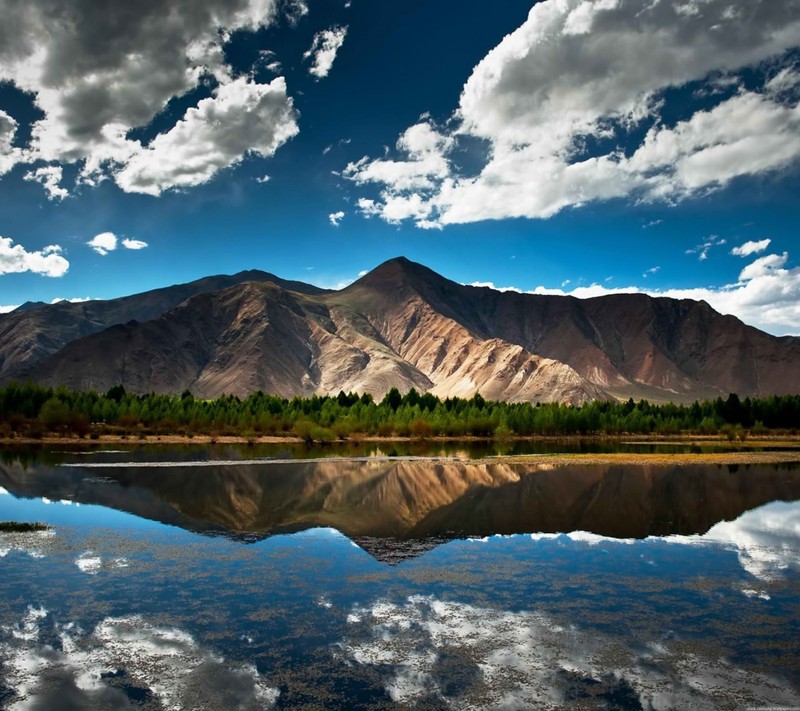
(109, 610)
(414, 500)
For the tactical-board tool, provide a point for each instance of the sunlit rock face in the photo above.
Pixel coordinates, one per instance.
(402, 325)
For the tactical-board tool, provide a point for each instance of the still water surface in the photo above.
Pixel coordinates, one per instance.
(395, 583)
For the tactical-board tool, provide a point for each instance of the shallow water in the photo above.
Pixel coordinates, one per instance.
(83, 450)
(397, 583)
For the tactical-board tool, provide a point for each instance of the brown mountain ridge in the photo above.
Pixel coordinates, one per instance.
(401, 325)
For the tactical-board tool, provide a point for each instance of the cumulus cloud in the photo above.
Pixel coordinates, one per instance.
(752, 247)
(766, 294)
(97, 75)
(562, 102)
(107, 242)
(323, 50)
(242, 117)
(425, 149)
(50, 178)
(336, 217)
(48, 261)
(103, 243)
(9, 155)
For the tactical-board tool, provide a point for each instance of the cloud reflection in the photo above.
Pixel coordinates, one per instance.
(36, 544)
(766, 539)
(124, 659)
(435, 653)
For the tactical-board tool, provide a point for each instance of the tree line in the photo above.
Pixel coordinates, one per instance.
(27, 409)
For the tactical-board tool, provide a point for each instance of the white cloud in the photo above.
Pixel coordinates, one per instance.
(107, 242)
(133, 244)
(8, 308)
(263, 179)
(295, 10)
(98, 74)
(50, 178)
(73, 300)
(764, 266)
(702, 249)
(426, 164)
(9, 155)
(752, 247)
(103, 243)
(581, 73)
(786, 80)
(242, 117)
(651, 271)
(491, 285)
(48, 261)
(336, 217)
(323, 50)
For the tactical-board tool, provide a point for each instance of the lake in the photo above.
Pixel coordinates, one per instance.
(251, 578)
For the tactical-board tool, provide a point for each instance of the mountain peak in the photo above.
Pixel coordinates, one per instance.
(397, 273)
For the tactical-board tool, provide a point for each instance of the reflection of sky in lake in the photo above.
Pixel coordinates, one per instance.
(113, 610)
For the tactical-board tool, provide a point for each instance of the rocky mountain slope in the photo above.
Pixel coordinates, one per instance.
(402, 325)
(36, 330)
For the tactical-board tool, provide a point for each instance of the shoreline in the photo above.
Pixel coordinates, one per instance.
(785, 441)
(742, 453)
(550, 461)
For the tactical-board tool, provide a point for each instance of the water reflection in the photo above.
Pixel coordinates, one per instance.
(116, 616)
(122, 660)
(435, 653)
(766, 539)
(86, 450)
(418, 500)
(651, 587)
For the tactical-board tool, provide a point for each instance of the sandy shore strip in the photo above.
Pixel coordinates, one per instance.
(681, 459)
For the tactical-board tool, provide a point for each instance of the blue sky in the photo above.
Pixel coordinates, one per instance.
(575, 146)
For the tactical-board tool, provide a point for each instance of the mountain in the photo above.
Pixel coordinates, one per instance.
(36, 330)
(401, 325)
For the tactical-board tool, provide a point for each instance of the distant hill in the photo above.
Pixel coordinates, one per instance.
(401, 325)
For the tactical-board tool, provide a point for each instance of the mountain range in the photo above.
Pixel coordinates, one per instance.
(401, 325)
